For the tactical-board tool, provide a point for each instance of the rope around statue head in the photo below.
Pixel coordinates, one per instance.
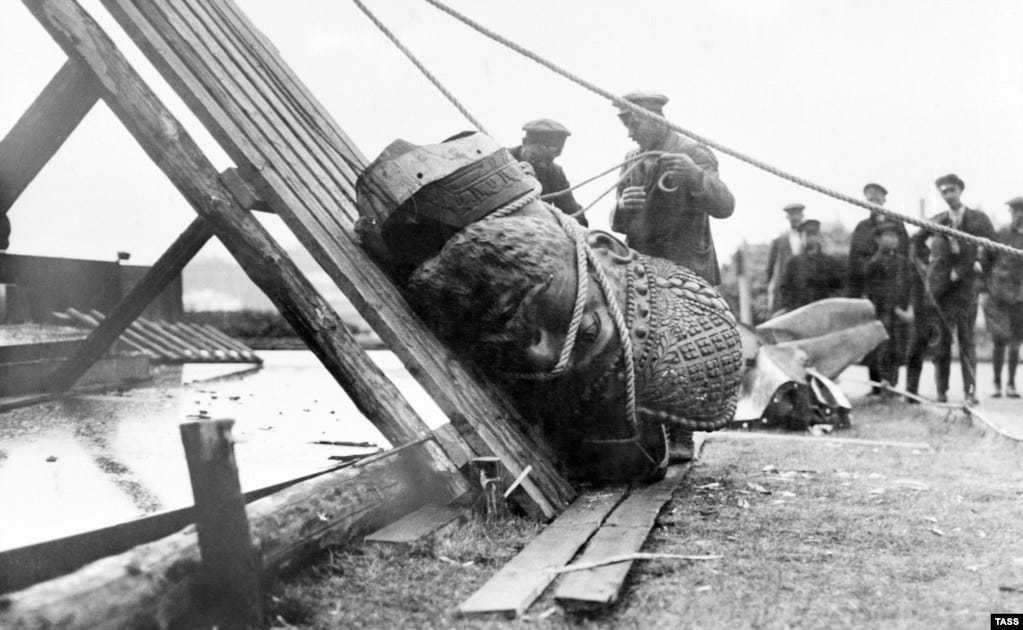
(491, 273)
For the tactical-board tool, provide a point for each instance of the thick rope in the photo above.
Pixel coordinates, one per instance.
(408, 53)
(805, 183)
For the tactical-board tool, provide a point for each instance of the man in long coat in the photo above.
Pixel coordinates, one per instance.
(665, 203)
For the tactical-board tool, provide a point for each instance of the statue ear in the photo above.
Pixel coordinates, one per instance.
(600, 240)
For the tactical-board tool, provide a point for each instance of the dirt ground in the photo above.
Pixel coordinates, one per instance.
(813, 534)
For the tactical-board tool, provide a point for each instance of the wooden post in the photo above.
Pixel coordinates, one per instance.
(43, 128)
(161, 274)
(230, 564)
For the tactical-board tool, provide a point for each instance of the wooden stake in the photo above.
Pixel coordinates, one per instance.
(230, 564)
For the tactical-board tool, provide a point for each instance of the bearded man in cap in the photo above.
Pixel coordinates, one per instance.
(543, 142)
(862, 246)
(783, 247)
(957, 303)
(1003, 301)
(664, 202)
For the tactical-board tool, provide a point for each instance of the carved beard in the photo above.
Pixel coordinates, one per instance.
(688, 362)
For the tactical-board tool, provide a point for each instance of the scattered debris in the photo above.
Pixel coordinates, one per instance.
(628, 557)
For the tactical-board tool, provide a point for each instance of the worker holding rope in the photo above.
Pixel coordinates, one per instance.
(950, 283)
(664, 205)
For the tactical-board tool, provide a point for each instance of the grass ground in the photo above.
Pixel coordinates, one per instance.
(814, 535)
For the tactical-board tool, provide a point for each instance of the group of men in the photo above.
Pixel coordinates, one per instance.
(925, 289)
(668, 190)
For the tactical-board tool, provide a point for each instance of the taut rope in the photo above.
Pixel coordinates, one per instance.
(805, 183)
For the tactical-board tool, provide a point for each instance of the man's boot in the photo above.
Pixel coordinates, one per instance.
(680, 444)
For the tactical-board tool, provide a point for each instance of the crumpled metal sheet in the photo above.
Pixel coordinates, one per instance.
(811, 345)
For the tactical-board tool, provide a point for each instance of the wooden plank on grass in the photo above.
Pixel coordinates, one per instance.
(519, 582)
(624, 531)
(425, 522)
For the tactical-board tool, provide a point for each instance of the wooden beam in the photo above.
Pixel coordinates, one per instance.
(260, 256)
(157, 585)
(230, 566)
(24, 566)
(519, 582)
(156, 279)
(266, 120)
(43, 128)
(625, 531)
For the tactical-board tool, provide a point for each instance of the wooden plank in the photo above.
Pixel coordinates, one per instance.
(43, 128)
(179, 329)
(459, 392)
(230, 572)
(427, 521)
(144, 341)
(227, 339)
(170, 341)
(157, 585)
(128, 337)
(262, 258)
(162, 273)
(624, 531)
(519, 582)
(214, 342)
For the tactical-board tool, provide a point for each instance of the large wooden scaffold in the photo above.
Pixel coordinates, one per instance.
(291, 159)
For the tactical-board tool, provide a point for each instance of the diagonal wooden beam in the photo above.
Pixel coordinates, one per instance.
(43, 128)
(170, 147)
(159, 276)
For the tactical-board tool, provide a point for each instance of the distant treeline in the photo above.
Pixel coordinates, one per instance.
(262, 330)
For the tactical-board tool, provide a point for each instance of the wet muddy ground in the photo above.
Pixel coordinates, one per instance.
(94, 460)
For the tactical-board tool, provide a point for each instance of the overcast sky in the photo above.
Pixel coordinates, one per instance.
(841, 92)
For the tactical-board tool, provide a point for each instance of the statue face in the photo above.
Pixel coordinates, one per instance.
(553, 307)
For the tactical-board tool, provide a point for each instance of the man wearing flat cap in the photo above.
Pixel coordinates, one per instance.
(862, 246)
(663, 206)
(957, 301)
(544, 141)
(665, 200)
(811, 275)
(783, 247)
(1003, 302)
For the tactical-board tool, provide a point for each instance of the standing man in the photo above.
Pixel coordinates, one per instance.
(811, 275)
(665, 203)
(544, 141)
(862, 247)
(664, 206)
(783, 247)
(1003, 302)
(888, 279)
(956, 300)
